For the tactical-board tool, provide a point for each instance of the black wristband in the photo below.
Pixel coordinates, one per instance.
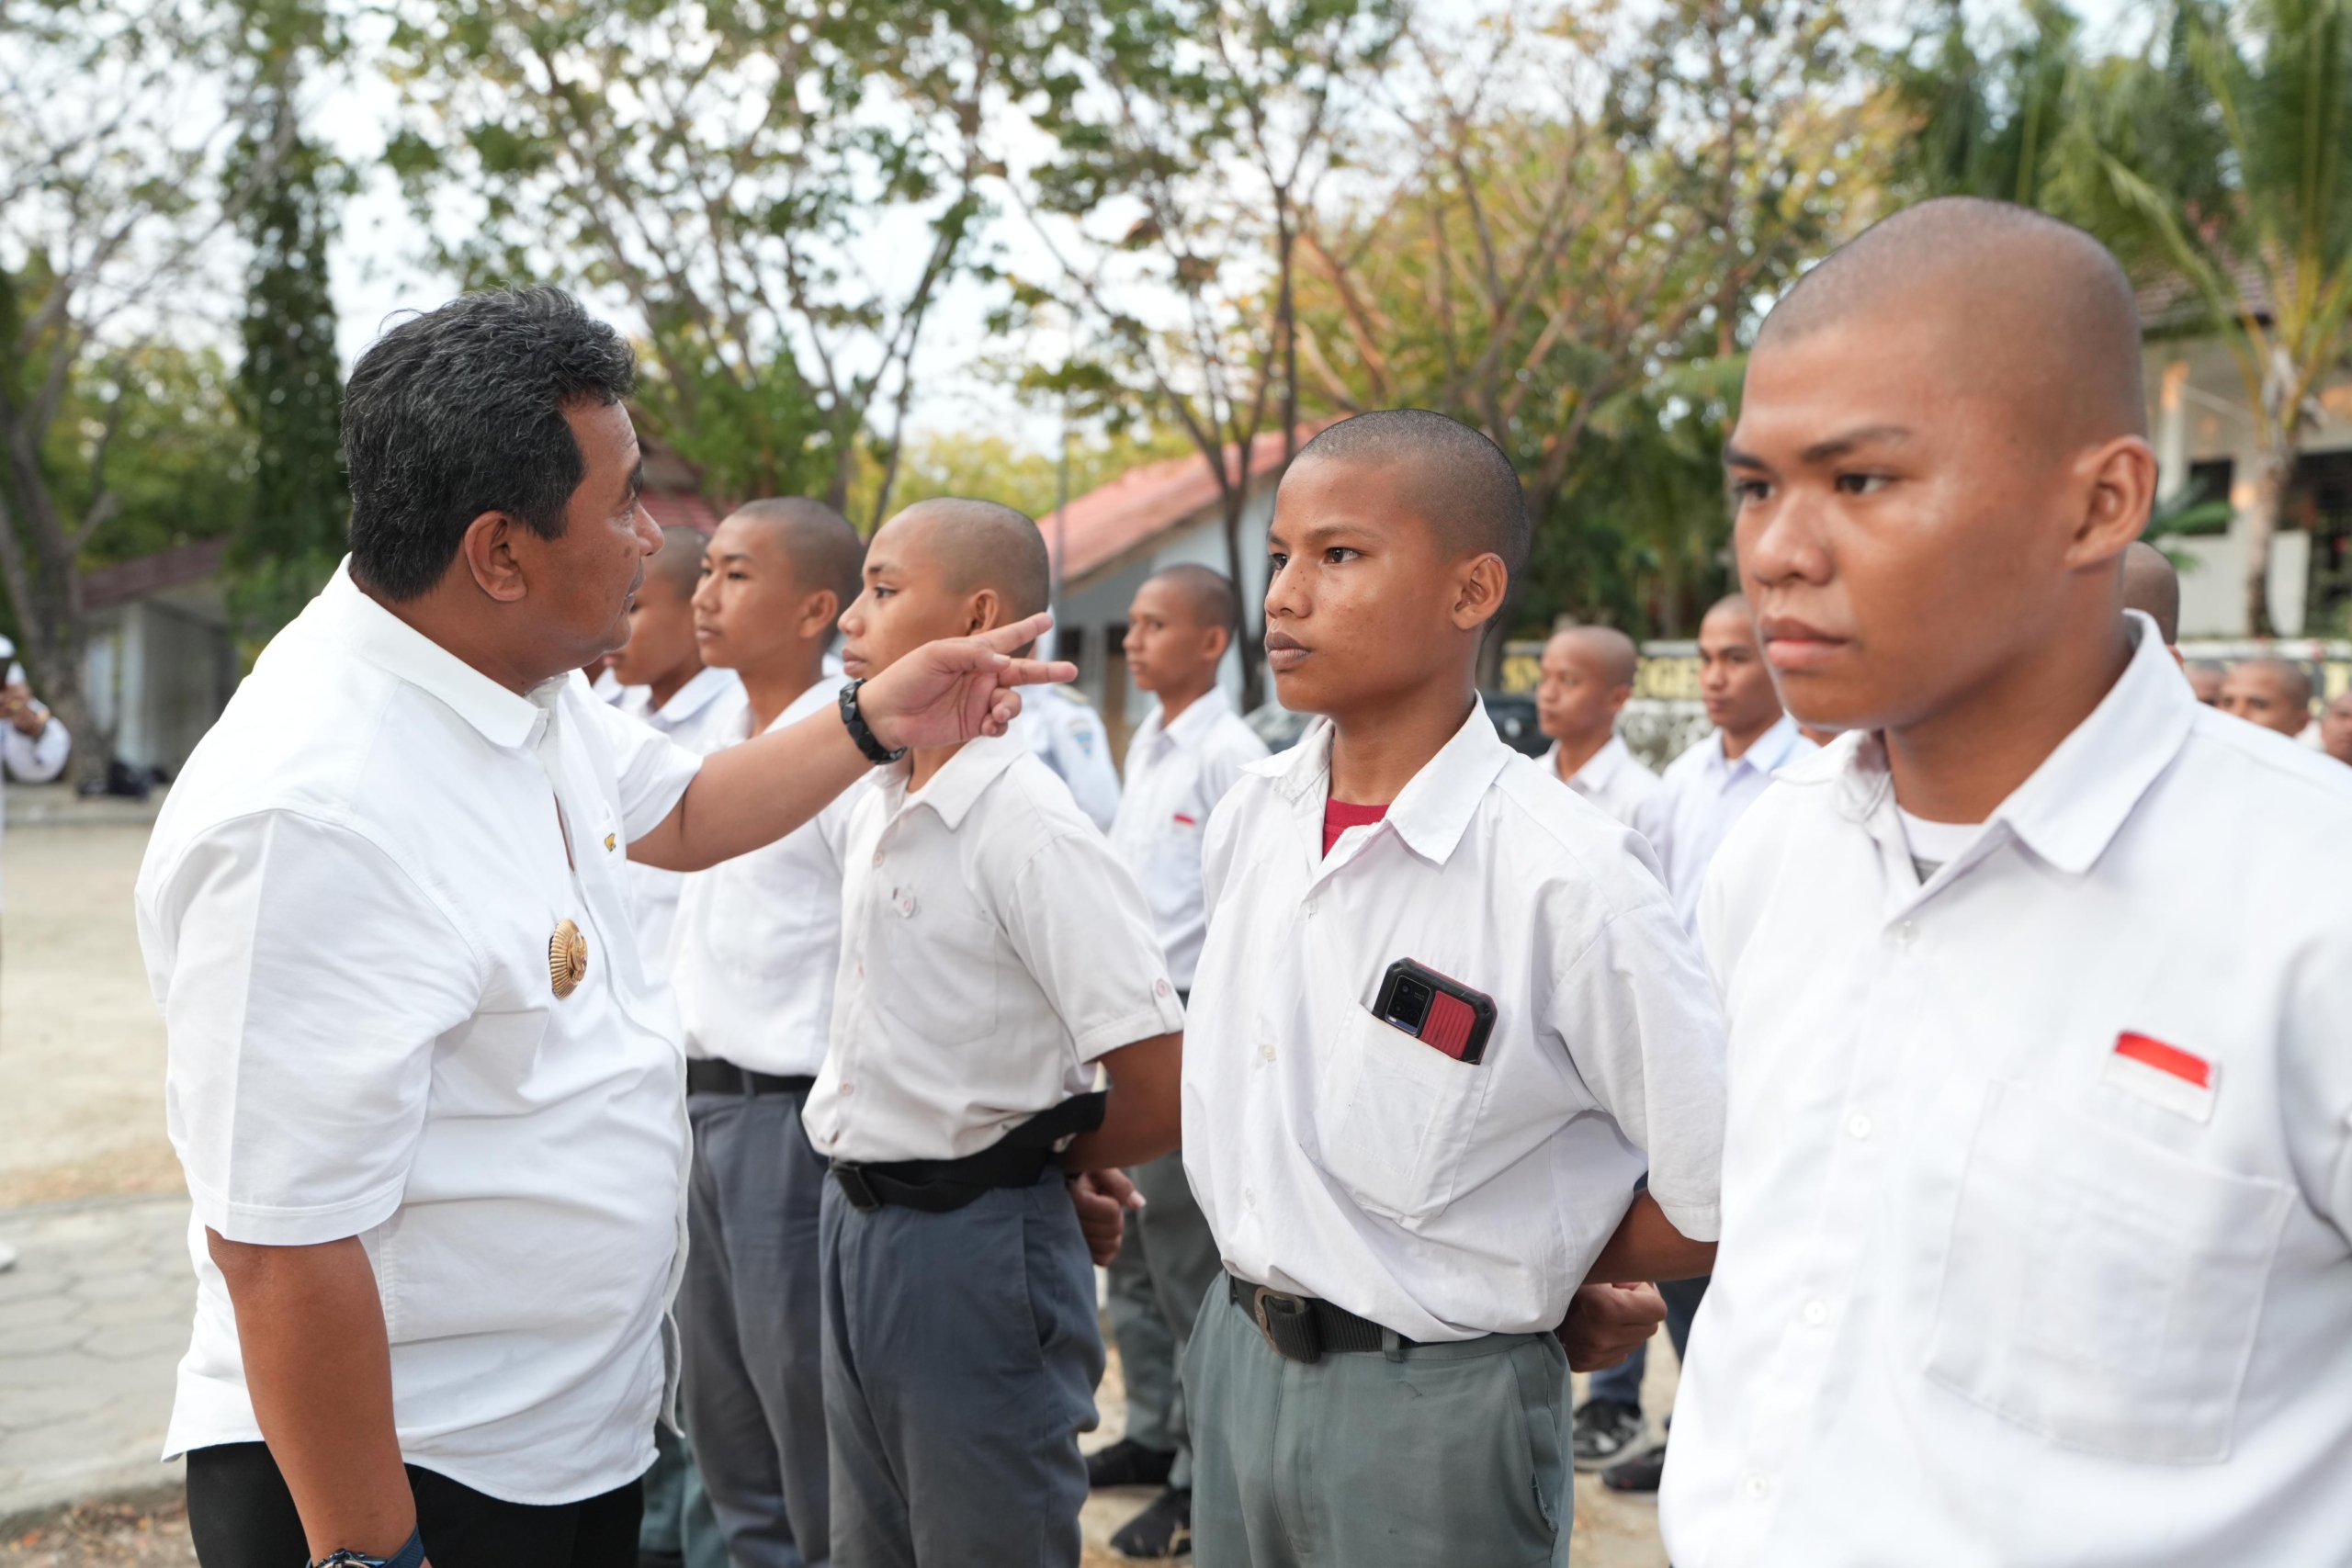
(409, 1555)
(863, 733)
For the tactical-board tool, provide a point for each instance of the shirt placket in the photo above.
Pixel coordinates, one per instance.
(1814, 1338)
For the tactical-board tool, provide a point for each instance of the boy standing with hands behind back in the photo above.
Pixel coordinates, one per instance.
(1444, 1017)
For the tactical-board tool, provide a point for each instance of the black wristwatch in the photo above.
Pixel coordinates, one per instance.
(409, 1555)
(863, 733)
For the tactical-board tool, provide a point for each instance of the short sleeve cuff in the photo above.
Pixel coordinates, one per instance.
(262, 1224)
(1696, 1222)
(1165, 1015)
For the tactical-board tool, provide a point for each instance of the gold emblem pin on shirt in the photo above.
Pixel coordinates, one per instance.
(567, 958)
(608, 842)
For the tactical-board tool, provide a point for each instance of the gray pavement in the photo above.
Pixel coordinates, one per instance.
(94, 1319)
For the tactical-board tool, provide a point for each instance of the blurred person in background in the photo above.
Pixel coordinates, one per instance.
(2152, 586)
(2271, 692)
(2335, 728)
(1064, 732)
(1588, 678)
(2205, 679)
(33, 748)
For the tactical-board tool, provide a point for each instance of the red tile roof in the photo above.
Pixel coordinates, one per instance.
(150, 574)
(679, 509)
(1108, 522)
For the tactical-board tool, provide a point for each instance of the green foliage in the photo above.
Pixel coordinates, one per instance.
(155, 426)
(992, 468)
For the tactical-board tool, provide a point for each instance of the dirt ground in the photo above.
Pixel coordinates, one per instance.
(81, 1115)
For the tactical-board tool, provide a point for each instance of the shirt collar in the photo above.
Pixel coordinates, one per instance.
(350, 617)
(1434, 808)
(1192, 726)
(1771, 749)
(957, 785)
(1598, 769)
(2070, 807)
(695, 694)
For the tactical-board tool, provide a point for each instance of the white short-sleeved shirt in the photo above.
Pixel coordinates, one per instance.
(2039, 1176)
(707, 713)
(345, 909)
(1063, 731)
(1611, 778)
(993, 948)
(1176, 774)
(30, 759)
(759, 937)
(1336, 1155)
(1701, 798)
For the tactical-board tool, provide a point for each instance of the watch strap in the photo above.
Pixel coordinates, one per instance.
(863, 733)
(409, 1555)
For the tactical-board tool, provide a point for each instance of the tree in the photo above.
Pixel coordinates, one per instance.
(1587, 217)
(2223, 156)
(116, 125)
(289, 387)
(1190, 146)
(781, 189)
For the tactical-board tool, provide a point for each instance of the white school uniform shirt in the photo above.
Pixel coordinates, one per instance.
(2002, 1280)
(1700, 799)
(345, 909)
(1176, 774)
(1611, 778)
(1336, 1155)
(758, 937)
(993, 948)
(29, 759)
(1063, 731)
(702, 716)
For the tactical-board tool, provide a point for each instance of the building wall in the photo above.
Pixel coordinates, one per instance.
(159, 670)
(2201, 416)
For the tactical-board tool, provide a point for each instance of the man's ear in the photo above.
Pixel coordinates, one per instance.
(488, 551)
(1478, 591)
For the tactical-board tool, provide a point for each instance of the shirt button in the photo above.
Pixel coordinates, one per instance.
(849, 1088)
(861, 971)
(1160, 988)
(1267, 1050)
(877, 857)
(1858, 1125)
(1904, 933)
(1816, 1313)
(1757, 1488)
(1310, 907)
(1250, 1196)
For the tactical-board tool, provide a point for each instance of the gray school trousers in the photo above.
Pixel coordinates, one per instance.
(961, 1355)
(750, 1317)
(1166, 1261)
(1448, 1454)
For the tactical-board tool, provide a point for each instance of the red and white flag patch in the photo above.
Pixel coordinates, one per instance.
(2146, 1068)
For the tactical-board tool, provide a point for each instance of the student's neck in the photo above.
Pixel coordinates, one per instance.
(1736, 745)
(923, 764)
(1575, 750)
(669, 683)
(1958, 764)
(1172, 702)
(773, 688)
(1375, 755)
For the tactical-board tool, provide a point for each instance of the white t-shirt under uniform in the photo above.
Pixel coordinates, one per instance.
(1176, 774)
(992, 948)
(2038, 1181)
(1339, 1157)
(759, 937)
(346, 908)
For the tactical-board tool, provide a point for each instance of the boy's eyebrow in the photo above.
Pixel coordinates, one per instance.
(1839, 446)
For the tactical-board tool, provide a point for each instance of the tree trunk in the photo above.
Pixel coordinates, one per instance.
(1252, 641)
(2271, 473)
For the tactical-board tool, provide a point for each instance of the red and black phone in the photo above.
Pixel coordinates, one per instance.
(1439, 1011)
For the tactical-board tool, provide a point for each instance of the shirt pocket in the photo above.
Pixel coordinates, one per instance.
(1394, 1117)
(2099, 1289)
(936, 969)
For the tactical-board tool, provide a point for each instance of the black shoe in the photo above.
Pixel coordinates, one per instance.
(1164, 1530)
(1129, 1464)
(1640, 1474)
(1606, 1431)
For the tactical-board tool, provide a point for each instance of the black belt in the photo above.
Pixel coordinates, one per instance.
(943, 1186)
(1301, 1328)
(708, 1075)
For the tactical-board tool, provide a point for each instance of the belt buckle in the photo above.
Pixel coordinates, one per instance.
(1287, 1324)
(856, 1189)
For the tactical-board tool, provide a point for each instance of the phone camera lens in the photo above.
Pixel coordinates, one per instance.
(1408, 1007)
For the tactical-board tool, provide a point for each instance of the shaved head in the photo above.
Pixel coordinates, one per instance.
(2038, 312)
(1209, 594)
(1451, 477)
(678, 563)
(1612, 654)
(2152, 587)
(983, 544)
(824, 550)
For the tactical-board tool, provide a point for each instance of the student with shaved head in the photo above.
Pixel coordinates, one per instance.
(2272, 693)
(2335, 728)
(1190, 750)
(758, 941)
(1445, 1024)
(2038, 1169)
(1588, 677)
(994, 954)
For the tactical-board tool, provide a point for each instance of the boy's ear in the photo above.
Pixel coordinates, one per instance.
(1479, 587)
(984, 612)
(2121, 489)
(819, 612)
